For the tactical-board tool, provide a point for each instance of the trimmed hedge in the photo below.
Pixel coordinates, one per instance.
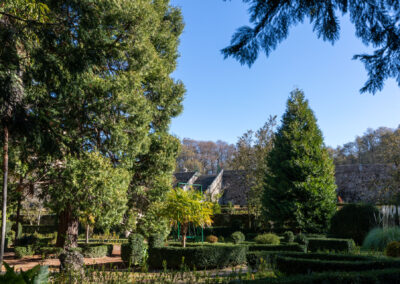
(283, 247)
(21, 252)
(97, 250)
(268, 238)
(254, 258)
(355, 277)
(206, 256)
(339, 245)
(133, 252)
(50, 252)
(269, 257)
(298, 265)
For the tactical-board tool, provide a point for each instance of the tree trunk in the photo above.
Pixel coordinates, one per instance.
(184, 233)
(67, 234)
(17, 218)
(87, 232)
(5, 179)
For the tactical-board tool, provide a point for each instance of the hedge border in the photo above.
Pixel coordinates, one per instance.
(206, 256)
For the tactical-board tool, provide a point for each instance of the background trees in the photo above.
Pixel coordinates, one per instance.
(299, 190)
(204, 156)
(250, 154)
(376, 23)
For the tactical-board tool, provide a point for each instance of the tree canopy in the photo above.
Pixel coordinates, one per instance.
(377, 23)
(184, 207)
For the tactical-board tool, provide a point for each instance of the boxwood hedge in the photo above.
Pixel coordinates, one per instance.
(282, 247)
(305, 264)
(340, 245)
(200, 256)
(269, 257)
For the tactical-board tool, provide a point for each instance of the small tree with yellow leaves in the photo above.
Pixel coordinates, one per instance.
(186, 207)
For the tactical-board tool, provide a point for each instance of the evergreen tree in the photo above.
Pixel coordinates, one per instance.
(376, 23)
(299, 190)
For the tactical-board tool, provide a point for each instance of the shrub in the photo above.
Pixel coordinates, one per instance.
(97, 250)
(211, 239)
(393, 249)
(238, 237)
(378, 238)
(50, 252)
(270, 239)
(156, 240)
(354, 221)
(288, 237)
(21, 252)
(132, 253)
(284, 247)
(339, 245)
(301, 239)
(37, 274)
(199, 256)
(300, 265)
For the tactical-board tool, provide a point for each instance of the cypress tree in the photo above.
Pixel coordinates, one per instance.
(299, 190)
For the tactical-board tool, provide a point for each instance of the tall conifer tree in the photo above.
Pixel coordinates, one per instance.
(299, 190)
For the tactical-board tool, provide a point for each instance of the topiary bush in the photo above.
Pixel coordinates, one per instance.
(211, 239)
(21, 252)
(288, 237)
(133, 252)
(301, 239)
(393, 249)
(270, 239)
(97, 250)
(378, 238)
(238, 237)
(354, 221)
(156, 240)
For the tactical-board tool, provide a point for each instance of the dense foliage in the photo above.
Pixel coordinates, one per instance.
(376, 23)
(299, 191)
(354, 221)
(98, 81)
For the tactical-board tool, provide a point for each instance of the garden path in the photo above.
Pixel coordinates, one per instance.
(30, 261)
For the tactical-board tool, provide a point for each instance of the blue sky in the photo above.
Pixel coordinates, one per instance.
(224, 99)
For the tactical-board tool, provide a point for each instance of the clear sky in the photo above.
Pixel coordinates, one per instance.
(224, 99)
